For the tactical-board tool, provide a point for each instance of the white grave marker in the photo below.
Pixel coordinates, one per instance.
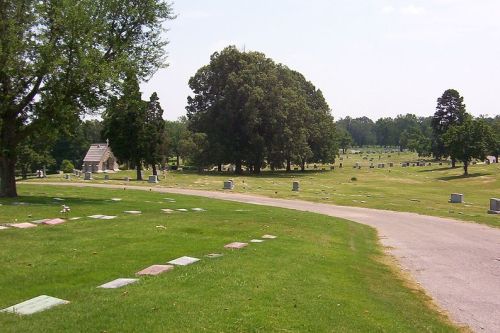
(183, 261)
(34, 305)
(118, 283)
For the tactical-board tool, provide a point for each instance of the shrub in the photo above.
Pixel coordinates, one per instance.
(67, 166)
(353, 179)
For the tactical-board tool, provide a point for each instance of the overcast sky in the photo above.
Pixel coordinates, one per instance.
(375, 58)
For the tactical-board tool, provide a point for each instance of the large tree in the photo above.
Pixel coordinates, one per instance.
(59, 59)
(154, 135)
(450, 111)
(124, 124)
(468, 140)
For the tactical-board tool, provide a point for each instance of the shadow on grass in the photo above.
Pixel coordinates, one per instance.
(262, 174)
(28, 200)
(472, 175)
(438, 169)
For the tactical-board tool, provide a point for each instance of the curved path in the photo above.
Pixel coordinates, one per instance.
(457, 263)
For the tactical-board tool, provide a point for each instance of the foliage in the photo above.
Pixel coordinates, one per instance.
(450, 111)
(176, 132)
(59, 59)
(67, 166)
(254, 112)
(154, 133)
(124, 123)
(467, 140)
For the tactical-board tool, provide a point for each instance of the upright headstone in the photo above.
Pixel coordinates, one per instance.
(494, 206)
(88, 176)
(153, 179)
(295, 186)
(127, 179)
(228, 185)
(332, 167)
(67, 176)
(106, 177)
(456, 198)
(391, 165)
(372, 166)
(340, 165)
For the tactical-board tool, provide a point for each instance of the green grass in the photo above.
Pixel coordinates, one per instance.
(424, 190)
(320, 275)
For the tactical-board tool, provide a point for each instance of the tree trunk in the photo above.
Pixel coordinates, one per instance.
(178, 158)
(155, 172)
(138, 170)
(288, 165)
(303, 166)
(466, 167)
(453, 162)
(496, 158)
(256, 169)
(238, 170)
(219, 167)
(8, 177)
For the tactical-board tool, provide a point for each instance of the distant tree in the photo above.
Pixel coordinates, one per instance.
(361, 130)
(124, 123)
(467, 140)
(154, 133)
(386, 132)
(344, 139)
(494, 137)
(255, 112)
(67, 166)
(60, 59)
(176, 131)
(33, 154)
(450, 111)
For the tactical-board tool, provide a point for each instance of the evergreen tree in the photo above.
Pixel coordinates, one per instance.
(450, 111)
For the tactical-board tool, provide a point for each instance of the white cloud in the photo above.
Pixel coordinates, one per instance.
(412, 10)
(388, 9)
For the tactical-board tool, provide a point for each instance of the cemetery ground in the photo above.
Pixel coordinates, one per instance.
(420, 189)
(328, 275)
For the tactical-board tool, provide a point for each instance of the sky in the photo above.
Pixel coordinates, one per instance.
(374, 58)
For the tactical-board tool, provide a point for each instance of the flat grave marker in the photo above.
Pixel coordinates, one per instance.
(117, 283)
(155, 270)
(34, 305)
(214, 255)
(196, 209)
(182, 210)
(256, 240)
(167, 210)
(269, 236)
(235, 245)
(54, 221)
(134, 212)
(3, 227)
(116, 199)
(23, 225)
(183, 261)
(40, 221)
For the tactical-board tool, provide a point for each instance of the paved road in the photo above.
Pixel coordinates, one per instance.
(457, 263)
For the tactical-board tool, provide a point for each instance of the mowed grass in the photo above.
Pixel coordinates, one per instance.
(320, 275)
(424, 190)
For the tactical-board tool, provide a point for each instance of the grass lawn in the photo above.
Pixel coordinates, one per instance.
(424, 190)
(320, 275)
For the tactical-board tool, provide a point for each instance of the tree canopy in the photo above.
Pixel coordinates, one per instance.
(255, 112)
(59, 59)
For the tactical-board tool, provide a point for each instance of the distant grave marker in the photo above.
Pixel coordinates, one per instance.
(456, 198)
(197, 209)
(153, 179)
(183, 261)
(54, 221)
(155, 270)
(24, 225)
(494, 206)
(295, 186)
(34, 305)
(182, 210)
(133, 212)
(228, 185)
(166, 210)
(269, 236)
(118, 283)
(106, 177)
(256, 240)
(88, 176)
(3, 227)
(214, 255)
(235, 245)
